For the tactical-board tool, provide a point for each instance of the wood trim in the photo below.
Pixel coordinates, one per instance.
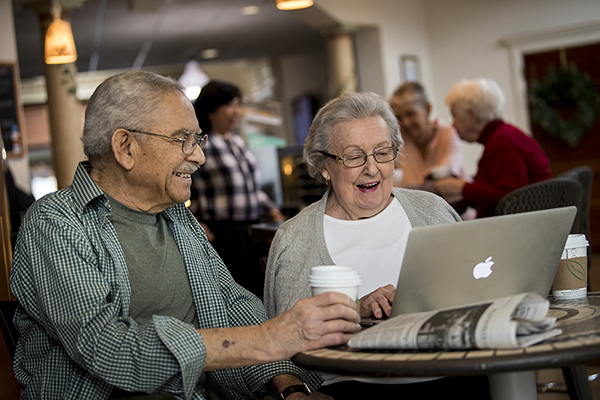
(5, 243)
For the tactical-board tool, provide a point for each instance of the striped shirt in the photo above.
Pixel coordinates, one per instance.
(77, 339)
(228, 184)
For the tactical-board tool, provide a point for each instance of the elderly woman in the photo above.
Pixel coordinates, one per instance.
(511, 159)
(226, 194)
(362, 221)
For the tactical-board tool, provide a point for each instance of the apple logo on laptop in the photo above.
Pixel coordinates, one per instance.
(483, 269)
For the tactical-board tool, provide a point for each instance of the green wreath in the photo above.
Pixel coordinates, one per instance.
(565, 104)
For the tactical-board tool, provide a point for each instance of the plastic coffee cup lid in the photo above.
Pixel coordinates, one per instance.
(578, 240)
(335, 284)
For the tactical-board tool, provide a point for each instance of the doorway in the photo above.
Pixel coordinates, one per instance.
(562, 155)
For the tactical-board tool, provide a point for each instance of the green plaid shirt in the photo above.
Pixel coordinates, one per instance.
(77, 340)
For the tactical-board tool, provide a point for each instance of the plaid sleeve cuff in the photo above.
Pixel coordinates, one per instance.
(186, 345)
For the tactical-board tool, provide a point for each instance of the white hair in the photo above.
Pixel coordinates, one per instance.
(484, 96)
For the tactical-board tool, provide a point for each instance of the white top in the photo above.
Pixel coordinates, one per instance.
(374, 246)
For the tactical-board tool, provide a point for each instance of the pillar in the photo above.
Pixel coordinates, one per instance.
(65, 114)
(342, 63)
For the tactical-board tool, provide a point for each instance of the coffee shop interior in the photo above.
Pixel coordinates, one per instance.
(290, 62)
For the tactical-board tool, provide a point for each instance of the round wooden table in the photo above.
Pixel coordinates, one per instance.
(511, 372)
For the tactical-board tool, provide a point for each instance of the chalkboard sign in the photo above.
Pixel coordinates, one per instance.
(11, 132)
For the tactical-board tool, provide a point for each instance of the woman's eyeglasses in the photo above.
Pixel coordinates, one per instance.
(359, 158)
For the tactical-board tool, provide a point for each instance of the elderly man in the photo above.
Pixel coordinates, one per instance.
(120, 293)
(511, 159)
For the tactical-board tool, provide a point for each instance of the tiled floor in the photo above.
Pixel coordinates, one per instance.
(555, 375)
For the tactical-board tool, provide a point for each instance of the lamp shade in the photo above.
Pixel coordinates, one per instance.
(60, 45)
(293, 4)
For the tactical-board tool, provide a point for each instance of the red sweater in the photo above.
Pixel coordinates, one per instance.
(511, 159)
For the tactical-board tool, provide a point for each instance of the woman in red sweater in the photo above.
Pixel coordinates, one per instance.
(511, 158)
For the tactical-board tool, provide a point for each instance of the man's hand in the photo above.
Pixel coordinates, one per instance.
(328, 319)
(377, 303)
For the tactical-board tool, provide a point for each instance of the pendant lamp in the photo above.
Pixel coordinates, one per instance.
(59, 45)
(193, 79)
(293, 4)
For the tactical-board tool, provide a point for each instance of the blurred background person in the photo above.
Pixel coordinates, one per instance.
(226, 196)
(427, 143)
(511, 158)
(362, 221)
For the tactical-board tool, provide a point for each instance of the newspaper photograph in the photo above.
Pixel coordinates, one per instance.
(504, 323)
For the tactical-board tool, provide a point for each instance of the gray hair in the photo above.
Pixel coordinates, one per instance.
(483, 95)
(127, 100)
(347, 107)
(416, 90)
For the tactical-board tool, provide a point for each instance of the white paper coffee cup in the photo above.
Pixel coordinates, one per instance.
(334, 278)
(571, 278)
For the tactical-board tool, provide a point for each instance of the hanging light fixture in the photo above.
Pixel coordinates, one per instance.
(193, 79)
(60, 45)
(293, 4)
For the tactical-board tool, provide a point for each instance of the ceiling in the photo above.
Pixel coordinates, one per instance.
(123, 34)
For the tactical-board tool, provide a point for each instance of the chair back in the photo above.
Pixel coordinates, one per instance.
(551, 193)
(9, 332)
(585, 176)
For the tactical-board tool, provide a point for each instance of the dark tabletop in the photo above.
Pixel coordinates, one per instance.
(579, 343)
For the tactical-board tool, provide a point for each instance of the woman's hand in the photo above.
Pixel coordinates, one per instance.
(276, 215)
(450, 189)
(377, 303)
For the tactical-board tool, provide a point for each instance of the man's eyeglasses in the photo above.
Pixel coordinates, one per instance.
(359, 158)
(188, 143)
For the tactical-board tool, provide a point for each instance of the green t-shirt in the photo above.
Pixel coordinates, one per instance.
(157, 274)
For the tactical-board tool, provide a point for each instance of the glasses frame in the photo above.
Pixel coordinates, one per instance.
(365, 158)
(199, 139)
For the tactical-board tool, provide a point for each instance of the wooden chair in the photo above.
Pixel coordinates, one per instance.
(8, 384)
(9, 332)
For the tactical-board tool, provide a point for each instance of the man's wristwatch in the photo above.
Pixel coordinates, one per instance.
(294, 389)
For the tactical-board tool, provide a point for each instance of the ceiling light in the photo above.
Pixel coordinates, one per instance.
(250, 10)
(59, 43)
(207, 54)
(293, 4)
(193, 79)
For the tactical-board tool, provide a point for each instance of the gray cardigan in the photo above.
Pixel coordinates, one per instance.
(299, 245)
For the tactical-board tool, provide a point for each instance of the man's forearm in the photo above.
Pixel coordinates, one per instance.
(237, 347)
(325, 320)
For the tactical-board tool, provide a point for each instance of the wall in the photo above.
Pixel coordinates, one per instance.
(461, 39)
(476, 51)
(301, 74)
(19, 166)
(402, 29)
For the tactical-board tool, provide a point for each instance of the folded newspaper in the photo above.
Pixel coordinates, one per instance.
(504, 323)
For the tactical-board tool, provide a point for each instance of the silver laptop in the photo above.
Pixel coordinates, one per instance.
(454, 264)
